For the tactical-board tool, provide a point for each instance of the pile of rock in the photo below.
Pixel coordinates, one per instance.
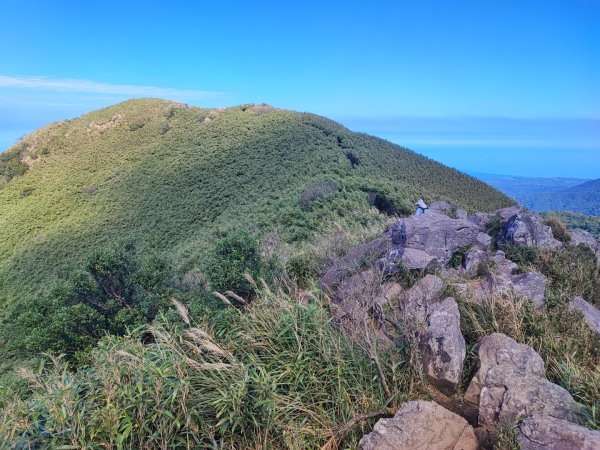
(510, 385)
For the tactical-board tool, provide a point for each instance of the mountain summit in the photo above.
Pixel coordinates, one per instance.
(172, 177)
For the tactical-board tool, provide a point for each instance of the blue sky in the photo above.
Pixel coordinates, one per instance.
(497, 86)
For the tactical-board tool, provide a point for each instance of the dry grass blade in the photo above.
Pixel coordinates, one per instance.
(222, 298)
(236, 297)
(181, 310)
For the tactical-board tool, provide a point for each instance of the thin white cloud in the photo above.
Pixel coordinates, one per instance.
(94, 87)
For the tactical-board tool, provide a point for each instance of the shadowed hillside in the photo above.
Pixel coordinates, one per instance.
(171, 178)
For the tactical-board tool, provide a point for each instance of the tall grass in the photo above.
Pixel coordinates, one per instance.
(277, 374)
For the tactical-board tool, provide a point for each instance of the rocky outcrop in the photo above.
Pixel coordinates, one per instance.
(421, 425)
(508, 396)
(442, 346)
(510, 384)
(526, 229)
(582, 237)
(354, 261)
(499, 277)
(541, 432)
(429, 239)
(435, 325)
(590, 314)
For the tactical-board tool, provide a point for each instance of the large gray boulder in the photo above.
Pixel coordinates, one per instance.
(433, 234)
(421, 425)
(500, 350)
(471, 261)
(526, 229)
(590, 314)
(435, 326)
(442, 346)
(510, 384)
(542, 432)
(582, 237)
(508, 396)
(415, 303)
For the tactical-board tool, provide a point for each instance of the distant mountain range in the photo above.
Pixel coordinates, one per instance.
(550, 194)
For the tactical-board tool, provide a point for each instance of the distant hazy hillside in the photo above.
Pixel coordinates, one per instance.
(517, 187)
(172, 178)
(583, 198)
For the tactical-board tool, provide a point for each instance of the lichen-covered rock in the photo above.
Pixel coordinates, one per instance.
(421, 425)
(589, 312)
(442, 346)
(500, 350)
(507, 396)
(525, 229)
(433, 234)
(510, 384)
(542, 432)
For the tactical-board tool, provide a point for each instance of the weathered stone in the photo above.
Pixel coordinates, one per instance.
(434, 234)
(500, 350)
(471, 261)
(416, 301)
(442, 207)
(500, 279)
(507, 396)
(442, 346)
(582, 237)
(483, 241)
(461, 214)
(508, 213)
(413, 258)
(542, 432)
(525, 229)
(532, 286)
(354, 261)
(481, 220)
(589, 312)
(421, 425)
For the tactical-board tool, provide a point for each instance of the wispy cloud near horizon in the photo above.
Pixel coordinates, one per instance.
(95, 87)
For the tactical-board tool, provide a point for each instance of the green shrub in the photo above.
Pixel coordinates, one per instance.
(279, 376)
(559, 229)
(233, 255)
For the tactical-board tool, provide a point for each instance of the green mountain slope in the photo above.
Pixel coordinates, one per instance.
(171, 178)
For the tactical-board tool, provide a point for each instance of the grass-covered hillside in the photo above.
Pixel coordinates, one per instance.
(172, 178)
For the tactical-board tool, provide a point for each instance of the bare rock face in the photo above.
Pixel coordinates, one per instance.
(421, 425)
(357, 258)
(511, 384)
(501, 278)
(483, 241)
(525, 229)
(416, 302)
(500, 350)
(442, 346)
(579, 236)
(471, 262)
(436, 235)
(589, 312)
(436, 327)
(532, 286)
(540, 432)
(508, 396)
